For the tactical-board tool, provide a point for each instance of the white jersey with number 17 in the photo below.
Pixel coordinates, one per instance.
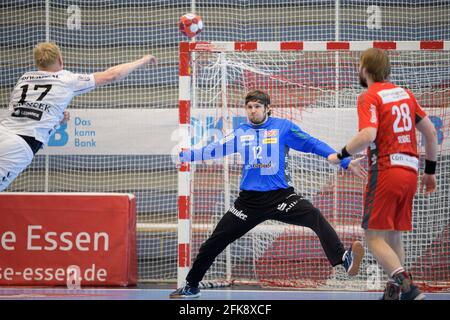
(39, 100)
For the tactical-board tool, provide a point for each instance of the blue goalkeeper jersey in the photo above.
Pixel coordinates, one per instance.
(264, 151)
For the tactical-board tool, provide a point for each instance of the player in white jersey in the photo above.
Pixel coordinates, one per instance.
(38, 103)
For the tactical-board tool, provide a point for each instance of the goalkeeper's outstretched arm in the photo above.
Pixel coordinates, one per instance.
(302, 141)
(214, 150)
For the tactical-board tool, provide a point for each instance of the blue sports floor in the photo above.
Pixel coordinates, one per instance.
(19, 293)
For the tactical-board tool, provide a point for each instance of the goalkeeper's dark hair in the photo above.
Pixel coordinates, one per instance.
(259, 96)
(376, 62)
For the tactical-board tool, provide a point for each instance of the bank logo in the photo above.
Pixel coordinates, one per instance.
(83, 133)
(60, 137)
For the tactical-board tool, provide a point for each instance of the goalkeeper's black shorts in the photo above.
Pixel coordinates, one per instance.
(252, 208)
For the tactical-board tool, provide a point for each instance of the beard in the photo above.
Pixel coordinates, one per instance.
(254, 121)
(362, 81)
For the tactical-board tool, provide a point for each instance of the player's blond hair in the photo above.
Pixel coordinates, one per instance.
(46, 54)
(376, 62)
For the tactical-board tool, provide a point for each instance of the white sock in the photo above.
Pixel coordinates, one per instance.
(397, 271)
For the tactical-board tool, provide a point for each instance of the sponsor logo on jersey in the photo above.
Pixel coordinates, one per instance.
(373, 111)
(247, 138)
(227, 138)
(270, 133)
(270, 140)
(27, 113)
(38, 77)
(400, 159)
(259, 166)
(238, 213)
(84, 78)
(393, 95)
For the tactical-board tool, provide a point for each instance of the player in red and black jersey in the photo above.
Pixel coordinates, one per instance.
(388, 118)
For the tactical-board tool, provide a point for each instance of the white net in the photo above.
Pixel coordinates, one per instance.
(94, 35)
(323, 20)
(318, 91)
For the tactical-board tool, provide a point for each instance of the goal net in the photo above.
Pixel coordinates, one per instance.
(316, 87)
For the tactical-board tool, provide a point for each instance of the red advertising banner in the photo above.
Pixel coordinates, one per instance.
(70, 239)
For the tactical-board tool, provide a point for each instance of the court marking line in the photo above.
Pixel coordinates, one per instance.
(92, 291)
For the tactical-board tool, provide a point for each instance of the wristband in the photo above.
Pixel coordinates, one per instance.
(343, 154)
(430, 167)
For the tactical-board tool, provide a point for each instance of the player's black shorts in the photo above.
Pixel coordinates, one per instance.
(269, 202)
(252, 208)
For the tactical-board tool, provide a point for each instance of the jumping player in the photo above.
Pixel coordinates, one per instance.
(388, 118)
(263, 143)
(38, 102)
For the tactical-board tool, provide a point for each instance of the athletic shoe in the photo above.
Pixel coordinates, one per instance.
(352, 258)
(391, 292)
(409, 291)
(413, 294)
(186, 292)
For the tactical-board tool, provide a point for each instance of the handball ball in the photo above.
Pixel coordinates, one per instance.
(190, 24)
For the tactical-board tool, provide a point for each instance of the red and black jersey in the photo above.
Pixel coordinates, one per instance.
(394, 111)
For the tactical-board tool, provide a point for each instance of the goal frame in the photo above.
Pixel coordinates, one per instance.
(187, 51)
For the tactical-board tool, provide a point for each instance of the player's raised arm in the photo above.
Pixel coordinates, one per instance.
(359, 142)
(120, 71)
(368, 126)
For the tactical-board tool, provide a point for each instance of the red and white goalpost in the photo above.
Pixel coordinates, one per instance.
(314, 84)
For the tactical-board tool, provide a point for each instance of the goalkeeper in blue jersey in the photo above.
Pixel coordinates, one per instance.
(263, 143)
